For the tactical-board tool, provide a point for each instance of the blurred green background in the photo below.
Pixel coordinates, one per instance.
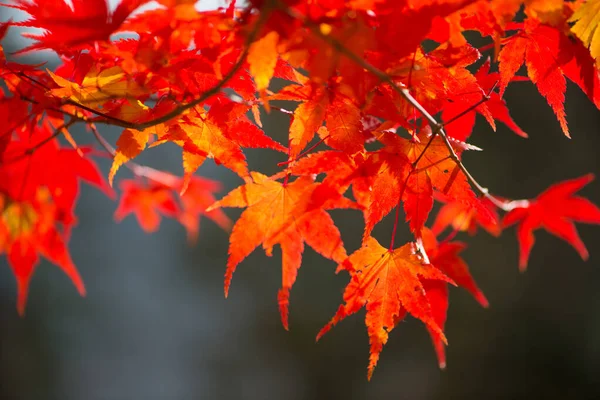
(155, 324)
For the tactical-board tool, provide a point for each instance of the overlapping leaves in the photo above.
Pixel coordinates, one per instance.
(361, 84)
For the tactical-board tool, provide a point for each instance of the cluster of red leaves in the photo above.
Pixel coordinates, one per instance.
(357, 76)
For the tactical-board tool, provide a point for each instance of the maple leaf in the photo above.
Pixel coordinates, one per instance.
(386, 283)
(308, 118)
(587, 19)
(464, 217)
(130, 144)
(206, 135)
(51, 166)
(554, 210)
(343, 170)
(37, 200)
(195, 202)
(532, 49)
(262, 58)
(494, 108)
(549, 56)
(145, 201)
(148, 201)
(66, 25)
(280, 214)
(97, 87)
(445, 256)
(29, 229)
(343, 128)
(397, 178)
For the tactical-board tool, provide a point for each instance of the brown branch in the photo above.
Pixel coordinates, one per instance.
(437, 127)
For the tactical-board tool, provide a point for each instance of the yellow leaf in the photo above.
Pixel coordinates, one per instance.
(97, 87)
(587, 19)
(133, 110)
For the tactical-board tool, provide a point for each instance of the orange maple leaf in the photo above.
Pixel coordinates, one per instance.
(262, 58)
(130, 144)
(280, 214)
(343, 126)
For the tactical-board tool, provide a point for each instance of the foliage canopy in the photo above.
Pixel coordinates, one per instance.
(382, 94)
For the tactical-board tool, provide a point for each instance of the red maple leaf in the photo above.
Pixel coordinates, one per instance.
(29, 229)
(145, 201)
(397, 178)
(148, 200)
(494, 108)
(388, 283)
(39, 185)
(549, 56)
(445, 256)
(554, 210)
(66, 25)
(195, 202)
(463, 217)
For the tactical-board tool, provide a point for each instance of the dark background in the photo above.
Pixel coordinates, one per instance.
(155, 324)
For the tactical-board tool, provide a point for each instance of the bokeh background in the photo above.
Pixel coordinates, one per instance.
(155, 324)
